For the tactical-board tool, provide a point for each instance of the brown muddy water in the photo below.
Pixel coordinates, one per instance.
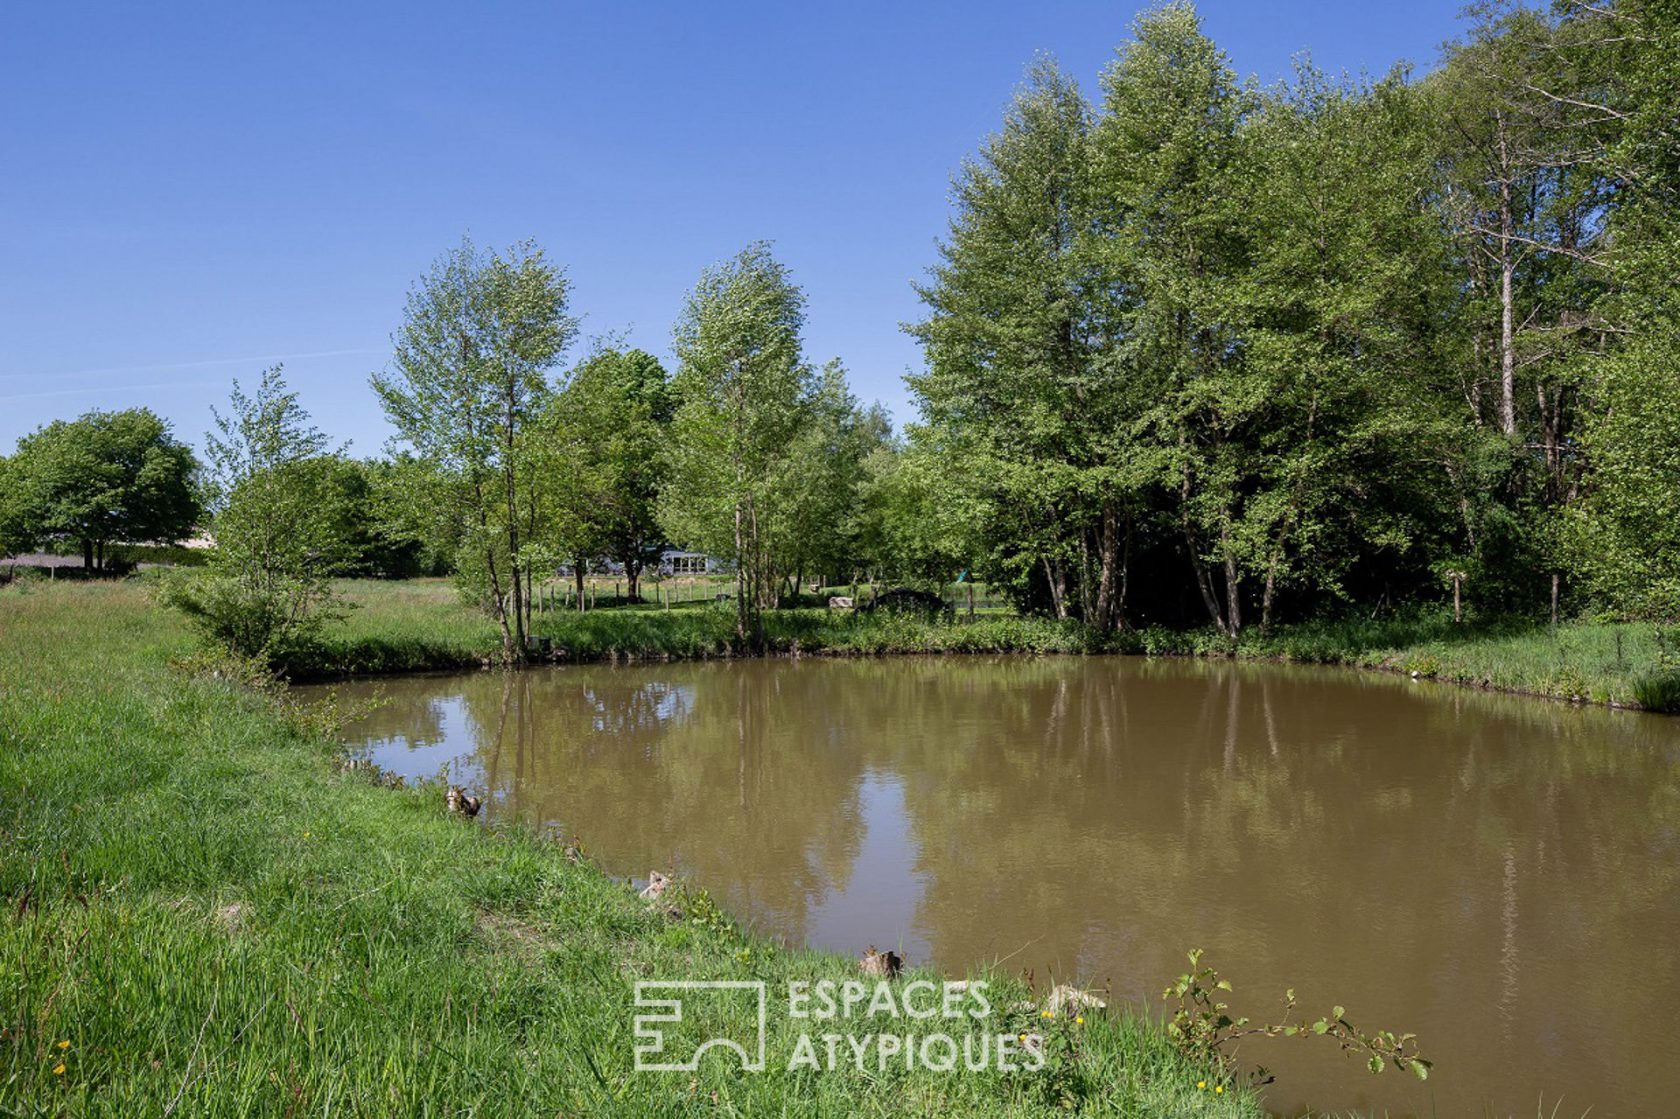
(1499, 874)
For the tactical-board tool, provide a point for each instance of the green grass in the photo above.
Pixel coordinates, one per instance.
(422, 625)
(203, 917)
(1596, 662)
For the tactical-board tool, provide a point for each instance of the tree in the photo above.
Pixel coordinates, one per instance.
(1021, 374)
(1625, 534)
(280, 512)
(1170, 168)
(16, 533)
(821, 533)
(469, 374)
(108, 477)
(743, 387)
(1347, 284)
(602, 461)
(923, 516)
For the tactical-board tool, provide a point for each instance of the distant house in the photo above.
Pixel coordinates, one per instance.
(674, 562)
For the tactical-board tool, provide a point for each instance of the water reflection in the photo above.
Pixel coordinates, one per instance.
(1499, 874)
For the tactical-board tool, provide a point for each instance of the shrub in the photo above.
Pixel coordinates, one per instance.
(270, 624)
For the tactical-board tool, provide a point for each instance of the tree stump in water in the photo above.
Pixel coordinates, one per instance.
(655, 888)
(882, 965)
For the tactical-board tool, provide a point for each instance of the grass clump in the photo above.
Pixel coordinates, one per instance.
(204, 917)
(1659, 691)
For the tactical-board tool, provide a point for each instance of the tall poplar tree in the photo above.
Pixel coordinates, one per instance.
(470, 370)
(744, 387)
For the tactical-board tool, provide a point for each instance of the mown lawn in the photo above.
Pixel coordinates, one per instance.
(204, 917)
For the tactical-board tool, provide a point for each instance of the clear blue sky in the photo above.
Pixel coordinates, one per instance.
(188, 193)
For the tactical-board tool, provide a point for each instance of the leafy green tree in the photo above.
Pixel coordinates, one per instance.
(1347, 283)
(280, 513)
(923, 516)
(1024, 315)
(821, 534)
(1171, 168)
(743, 388)
(16, 533)
(1624, 536)
(108, 477)
(469, 373)
(602, 461)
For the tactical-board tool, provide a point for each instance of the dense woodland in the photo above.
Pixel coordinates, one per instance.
(1197, 352)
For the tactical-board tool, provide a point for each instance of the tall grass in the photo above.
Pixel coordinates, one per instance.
(1597, 662)
(203, 917)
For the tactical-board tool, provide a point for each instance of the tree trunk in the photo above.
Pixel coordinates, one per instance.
(87, 555)
(496, 596)
(1108, 551)
(1058, 587)
(1507, 309)
(740, 575)
(511, 483)
(1203, 582)
(1120, 619)
(1233, 578)
(577, 575)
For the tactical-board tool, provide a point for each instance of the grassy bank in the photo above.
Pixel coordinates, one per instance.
(202, 917)
(421, 625)
(1594, 662)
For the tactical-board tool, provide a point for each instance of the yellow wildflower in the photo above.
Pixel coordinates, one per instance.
(58, 1070)
(1079, 1021)
(1220, 1090)
(65, 1044)
(1200, 1084)
(1046, 1014)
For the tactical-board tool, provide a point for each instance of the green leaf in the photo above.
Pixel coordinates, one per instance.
(1376, 1063)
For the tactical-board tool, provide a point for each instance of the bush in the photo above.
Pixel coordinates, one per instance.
(270, 624)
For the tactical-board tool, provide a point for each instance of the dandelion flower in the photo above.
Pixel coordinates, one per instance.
(1046, 1013)
(1220, 1090)
(1023, 1037)
(1200, 1084)
(58, 1069)
(1079, 1021)
(65, 1044)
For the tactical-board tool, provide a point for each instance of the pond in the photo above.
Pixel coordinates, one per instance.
(1499, 874)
